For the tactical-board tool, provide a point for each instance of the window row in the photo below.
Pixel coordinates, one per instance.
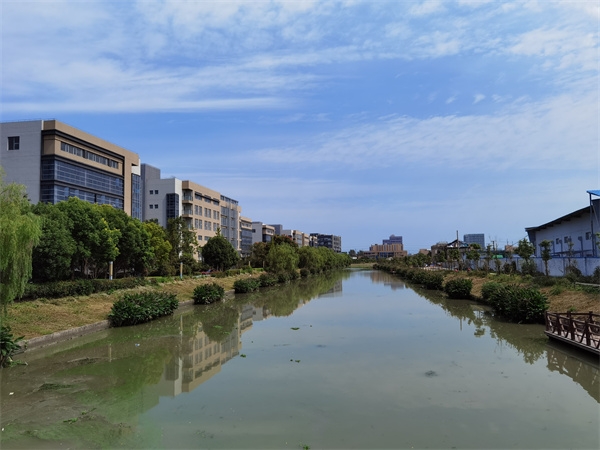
(154, 206)
(211, 226)
(154, 192)
(89, 155)
(55, 194)
(79, 176)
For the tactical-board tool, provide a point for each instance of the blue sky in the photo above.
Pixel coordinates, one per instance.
(357, 118)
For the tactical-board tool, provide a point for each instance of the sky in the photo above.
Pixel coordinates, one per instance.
(362, 119)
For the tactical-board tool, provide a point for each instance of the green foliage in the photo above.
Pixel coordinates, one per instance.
(183, 244)
(132, 309)
(545, 245)
(20, 231)
(60, 289)
(52, 257)
(9, 345)
(161, 249)
(95, 241)
(458, 288)
(488, 289)
(282, 258)
(304, 273)
(518, 304)
(525, 249)
(219, 253)
(208, 293)
(267, 279)
(245, 285)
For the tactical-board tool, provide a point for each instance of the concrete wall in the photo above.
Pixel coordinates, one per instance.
(22, 166)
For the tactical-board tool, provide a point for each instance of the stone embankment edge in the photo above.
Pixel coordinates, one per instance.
(61, 336)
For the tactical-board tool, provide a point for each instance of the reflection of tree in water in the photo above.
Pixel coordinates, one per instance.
(528, 340)
(284, 299)
(218, 320)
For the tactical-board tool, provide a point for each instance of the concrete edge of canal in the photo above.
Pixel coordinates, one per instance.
(72, 333)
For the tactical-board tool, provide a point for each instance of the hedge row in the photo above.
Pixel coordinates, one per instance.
(132, 309)
(515, 303)
(59, 289)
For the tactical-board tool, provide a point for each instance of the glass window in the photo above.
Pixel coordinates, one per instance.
(14, 142)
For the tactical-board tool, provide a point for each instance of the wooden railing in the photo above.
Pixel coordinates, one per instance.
(581, 328)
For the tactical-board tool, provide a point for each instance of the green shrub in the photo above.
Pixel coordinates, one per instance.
(529, 268)
(519, 304)
(267, 279)
(488, 289)
(143, 307)
(304, 272)
(246, 285)
(434, 280)
(9, 345)
(458, 288)
(208, 293)
(283, 277)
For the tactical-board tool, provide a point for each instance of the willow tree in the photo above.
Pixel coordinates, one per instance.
(20, 231)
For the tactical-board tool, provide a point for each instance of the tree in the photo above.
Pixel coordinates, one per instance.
(258, 254)
(311, 259)
(161, 249)
(352, 253)
(53, 255)
(546, 256)
(95, 241)
(20, 231)
(525, 250)
(282, 258)
(183, 242)
(219, 253)
(473, 254)
(135, 252)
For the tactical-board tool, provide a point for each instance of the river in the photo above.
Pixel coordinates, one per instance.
(355, 359)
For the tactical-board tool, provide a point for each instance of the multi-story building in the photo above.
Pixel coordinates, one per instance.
(56, 161)
(327, 240)
(477, 238)
(230, 221)
(199, 206)
(245, 236)
(262, 232)
(386, 251)
(393, 240)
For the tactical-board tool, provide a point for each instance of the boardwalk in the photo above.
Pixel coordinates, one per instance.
(581, 330)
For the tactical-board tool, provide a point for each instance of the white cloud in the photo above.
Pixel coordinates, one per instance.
(478, 98)
(560, 132)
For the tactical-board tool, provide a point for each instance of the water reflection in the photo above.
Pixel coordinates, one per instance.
(98, 393)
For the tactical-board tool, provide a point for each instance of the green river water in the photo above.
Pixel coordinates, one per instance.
(356, 359)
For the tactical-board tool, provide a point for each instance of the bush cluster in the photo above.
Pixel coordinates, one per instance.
(516, 303)
(206, 294)
(9, 345)
(60, 289)
(458, 288)
(132, 309)
(267, 279)
(246, 285)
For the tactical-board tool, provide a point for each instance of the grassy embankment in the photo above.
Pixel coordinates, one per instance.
(42, 317)
(46, 316)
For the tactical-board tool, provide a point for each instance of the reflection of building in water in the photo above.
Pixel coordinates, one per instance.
(387, 280)
(335, 291)
(582, 372)
(260, 313)
(200, 358)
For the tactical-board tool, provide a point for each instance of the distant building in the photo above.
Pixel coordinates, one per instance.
(386, 251)
(245, 236)
(262, 232)
(56, 161)
(204, 210)
(326, 240)
(393, 240)
(477, 238)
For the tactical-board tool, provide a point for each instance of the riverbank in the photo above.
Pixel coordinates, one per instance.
(65, 318)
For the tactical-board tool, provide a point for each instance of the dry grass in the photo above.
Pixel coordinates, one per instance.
(42, 317)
